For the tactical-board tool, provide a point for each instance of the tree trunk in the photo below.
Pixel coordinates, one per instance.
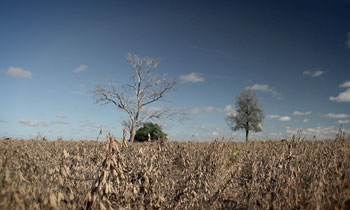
(246, 135)
(133, 130)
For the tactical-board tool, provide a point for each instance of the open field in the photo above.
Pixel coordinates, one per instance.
(171, 175)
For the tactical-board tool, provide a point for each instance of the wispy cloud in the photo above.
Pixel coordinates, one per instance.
(264, 88)
(272, 116)
(80, 68)
(343, 121)
(229, 110)
(58, 122)
(18, 72)
(317, 73)
(319, 131)
(337, 116)
(299, 113)
(213, 134)
(62, 116)
(193, 77)
(342, 97)
(33, 124)
(36, 124)
(306, 120)
(91, 124)
(198, 110)
(217, 132)
(346, 84)
(285, 119)
(3, 121)
(201, 127)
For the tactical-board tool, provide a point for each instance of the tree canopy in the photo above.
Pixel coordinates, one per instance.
(249, 114)
(152, 129)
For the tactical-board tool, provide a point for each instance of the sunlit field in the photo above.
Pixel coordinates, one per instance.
(290, 174)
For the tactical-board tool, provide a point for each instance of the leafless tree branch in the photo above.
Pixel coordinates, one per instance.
(134, 97)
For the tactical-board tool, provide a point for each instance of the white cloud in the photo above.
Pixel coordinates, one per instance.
(228, 108)
(264, 88)
(18, 72)
(299, 113)
(272, 116)
(80, 68)
(319, 132)
(150, 110)
(343, 121)
(62, 116)
(337, 116)
(285, 119)
(36, 124)
(264, 135)
(307, 133)
(200, 127)
(306, 120)
(210, 132)
(33, 124)
(346, 84)
(213, 134)
(342, 97)
(198, 110)
(195, 135)
(58, 122)
(317, 73)
(192, 77)
(348, 41)
(91, 124)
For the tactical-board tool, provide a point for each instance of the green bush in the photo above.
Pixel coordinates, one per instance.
(150, 128)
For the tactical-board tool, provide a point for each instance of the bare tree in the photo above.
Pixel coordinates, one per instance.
(249, 115)
(134, 97)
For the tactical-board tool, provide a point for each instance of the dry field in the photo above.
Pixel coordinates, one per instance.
(171, 175)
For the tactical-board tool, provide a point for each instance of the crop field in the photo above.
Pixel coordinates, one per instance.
(174, 175)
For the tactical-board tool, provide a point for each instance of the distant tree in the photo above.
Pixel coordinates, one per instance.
(249, 114)
(135, 97)
(152, 129)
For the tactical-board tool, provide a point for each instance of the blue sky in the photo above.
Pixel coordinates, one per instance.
(295, 54)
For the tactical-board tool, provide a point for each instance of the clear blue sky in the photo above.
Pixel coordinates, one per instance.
(295, 54)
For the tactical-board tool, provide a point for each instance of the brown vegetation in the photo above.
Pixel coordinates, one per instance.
(172, 175)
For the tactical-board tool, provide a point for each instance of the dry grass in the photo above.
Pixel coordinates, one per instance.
(218, 175)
